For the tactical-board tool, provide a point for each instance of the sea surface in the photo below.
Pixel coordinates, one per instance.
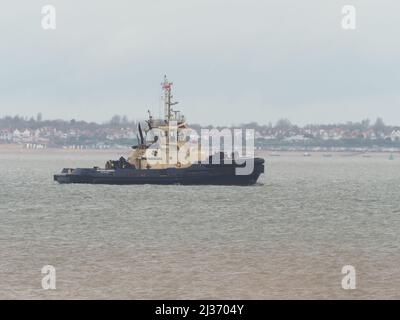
(286, 238)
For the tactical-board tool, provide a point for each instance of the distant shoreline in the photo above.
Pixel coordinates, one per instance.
(21, 148)
(11, 148)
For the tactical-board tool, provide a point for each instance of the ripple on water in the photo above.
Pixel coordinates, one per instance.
(286, 237)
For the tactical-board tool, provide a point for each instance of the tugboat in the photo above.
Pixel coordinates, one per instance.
(164, 155)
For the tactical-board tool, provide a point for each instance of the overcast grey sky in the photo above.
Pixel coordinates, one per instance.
(231, 61)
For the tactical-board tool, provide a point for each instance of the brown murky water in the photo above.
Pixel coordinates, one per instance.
(286, 238)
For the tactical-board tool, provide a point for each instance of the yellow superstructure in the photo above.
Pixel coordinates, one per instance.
(166, 143)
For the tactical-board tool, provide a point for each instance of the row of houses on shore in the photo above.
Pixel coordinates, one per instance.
(51, 137)
(54, 137)
(299, 134)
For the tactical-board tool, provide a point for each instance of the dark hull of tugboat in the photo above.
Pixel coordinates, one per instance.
(197, 174)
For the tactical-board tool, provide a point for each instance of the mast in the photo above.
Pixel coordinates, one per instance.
(166, 85)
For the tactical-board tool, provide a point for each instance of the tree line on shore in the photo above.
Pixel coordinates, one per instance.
(117, 121)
